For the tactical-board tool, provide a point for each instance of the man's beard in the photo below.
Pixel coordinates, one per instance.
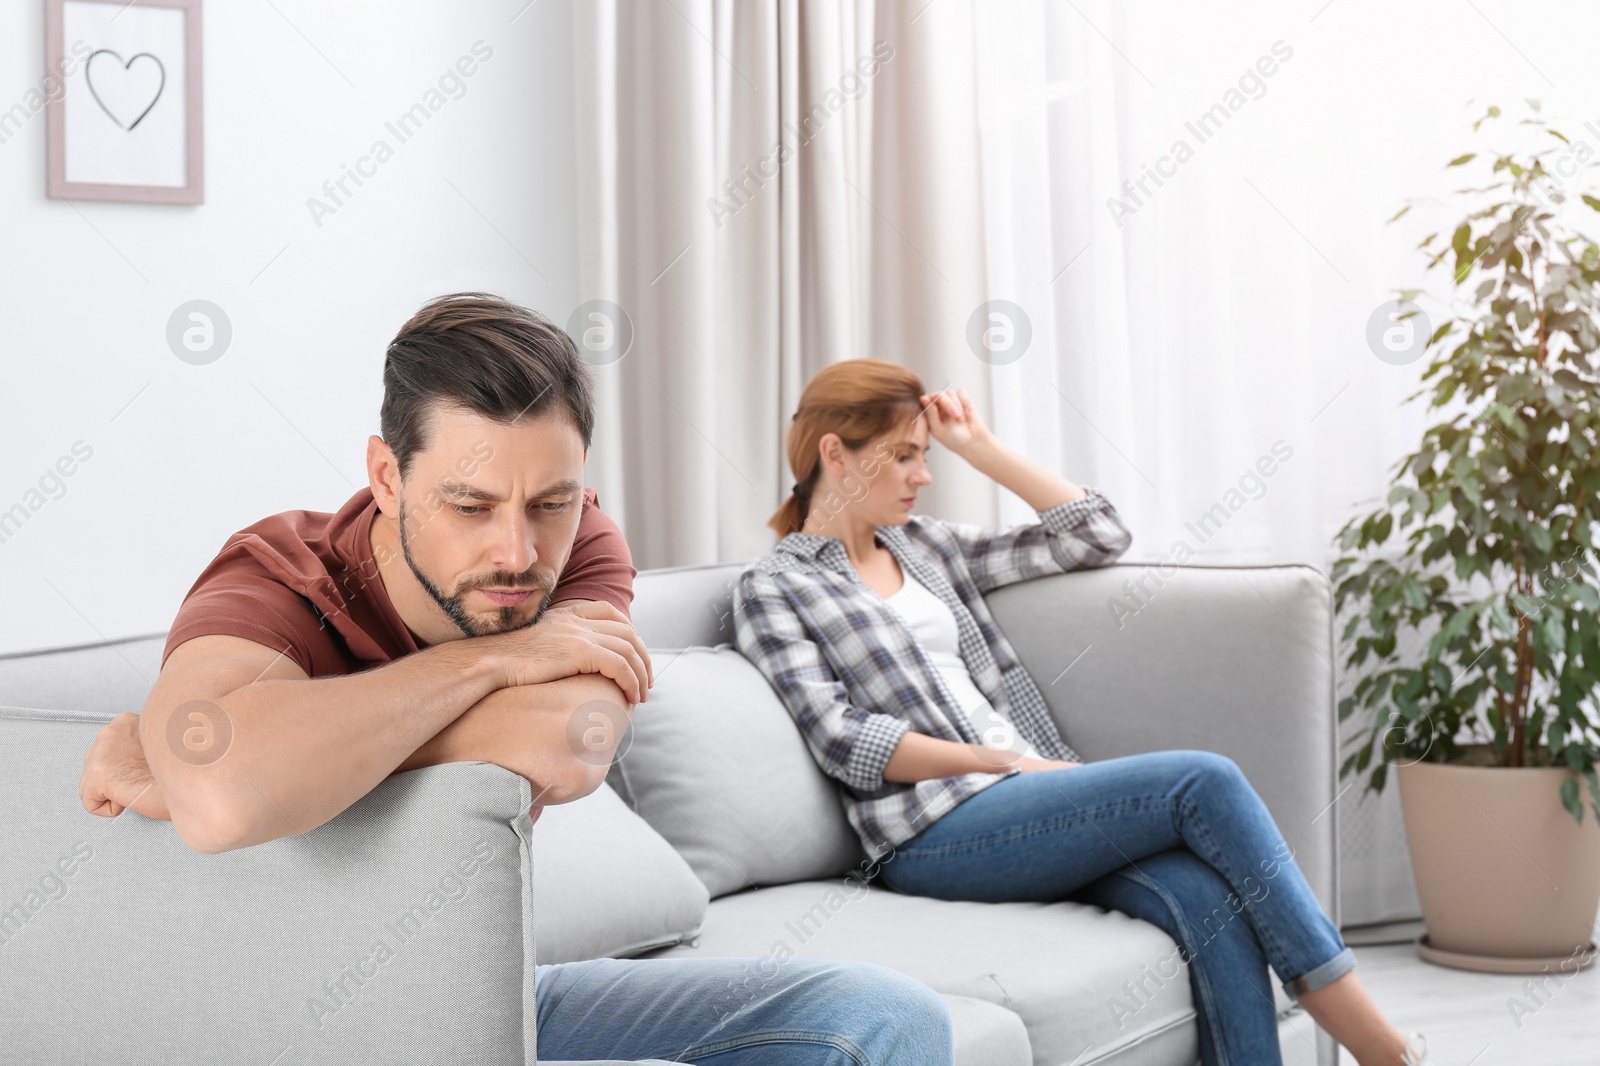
(505, 620)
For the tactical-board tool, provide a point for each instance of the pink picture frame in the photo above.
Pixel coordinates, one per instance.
(114, 115)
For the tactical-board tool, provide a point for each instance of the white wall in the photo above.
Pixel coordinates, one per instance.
(480, 198)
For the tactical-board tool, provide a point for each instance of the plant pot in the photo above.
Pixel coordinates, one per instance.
(1509, 883)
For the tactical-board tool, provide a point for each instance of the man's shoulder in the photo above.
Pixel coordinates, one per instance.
(303, 544)
(592, 519)
(289, 575)
(600, 565)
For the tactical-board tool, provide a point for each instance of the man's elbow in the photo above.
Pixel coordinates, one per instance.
(212, 822)
(593, 725)
(213, 831)
(573, 779)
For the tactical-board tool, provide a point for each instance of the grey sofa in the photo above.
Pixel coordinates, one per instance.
(400, 931)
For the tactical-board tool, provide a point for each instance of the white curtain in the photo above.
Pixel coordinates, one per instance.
(1176, 346)
(1172, 351)
(770, 186)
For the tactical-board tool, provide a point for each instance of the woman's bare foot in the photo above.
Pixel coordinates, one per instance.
(1345, 1009)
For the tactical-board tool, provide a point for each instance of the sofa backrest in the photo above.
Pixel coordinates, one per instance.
(399, 931)
(106, 678)
(1237, 660)
(686, 606)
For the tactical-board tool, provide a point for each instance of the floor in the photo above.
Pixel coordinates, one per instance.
(1478, 1019)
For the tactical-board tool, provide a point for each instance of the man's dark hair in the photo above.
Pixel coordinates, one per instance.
(487, 355)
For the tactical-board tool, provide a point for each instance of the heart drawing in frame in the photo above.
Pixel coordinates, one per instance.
(123, 86)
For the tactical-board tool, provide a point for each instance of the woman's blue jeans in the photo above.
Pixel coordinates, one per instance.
(1177, 838)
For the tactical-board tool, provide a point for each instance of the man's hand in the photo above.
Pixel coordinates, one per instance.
(1029, 765)
(116, 776)
(577, 637)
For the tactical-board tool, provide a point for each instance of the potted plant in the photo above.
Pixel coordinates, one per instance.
(1482, 559)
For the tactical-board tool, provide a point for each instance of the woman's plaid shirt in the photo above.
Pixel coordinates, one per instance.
(856, 680)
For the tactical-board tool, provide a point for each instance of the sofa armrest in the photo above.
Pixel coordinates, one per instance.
(1235, 660)
(397, 932)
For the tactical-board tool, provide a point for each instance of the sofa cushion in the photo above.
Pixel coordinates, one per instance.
(1057, 966)
(986, 1034)
(716, 765)
(397, 932)
(606, 884)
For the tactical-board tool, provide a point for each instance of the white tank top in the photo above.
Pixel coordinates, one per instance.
(934, 626)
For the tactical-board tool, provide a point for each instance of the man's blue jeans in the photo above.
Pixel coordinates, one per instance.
(1177, 838)
(740, 1012)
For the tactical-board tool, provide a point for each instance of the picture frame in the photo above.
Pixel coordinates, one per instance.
(128, 121)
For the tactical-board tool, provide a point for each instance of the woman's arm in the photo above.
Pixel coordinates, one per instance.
(1078, 528)
(954, 423)
(861, 748)
(851, 744)
(920, 757)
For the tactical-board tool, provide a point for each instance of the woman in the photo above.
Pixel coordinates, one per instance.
(869, 620)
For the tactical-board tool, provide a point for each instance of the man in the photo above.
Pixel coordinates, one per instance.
(464, 607)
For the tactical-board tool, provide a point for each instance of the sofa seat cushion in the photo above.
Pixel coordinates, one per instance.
(1057, 966)
(606, 885)
(716, 765)
(986, 1034)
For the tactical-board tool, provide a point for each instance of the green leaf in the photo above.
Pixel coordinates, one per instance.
(1460, 159)
(1591, 201)
(1569, 380)
(1398, 213)
(1414, 595)
(1569, 798)
(1453, 628)
(1441, 677)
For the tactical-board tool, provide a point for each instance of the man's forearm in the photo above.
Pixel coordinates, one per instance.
(560, 736)
(300, 751)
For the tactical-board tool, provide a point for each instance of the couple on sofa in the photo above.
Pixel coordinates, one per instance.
(474, 598)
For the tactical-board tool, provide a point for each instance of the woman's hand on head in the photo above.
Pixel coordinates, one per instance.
(952, 420)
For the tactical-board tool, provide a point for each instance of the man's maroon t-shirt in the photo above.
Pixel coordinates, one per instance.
(306, 583)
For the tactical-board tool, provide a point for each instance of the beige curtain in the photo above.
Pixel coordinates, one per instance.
(767, 186)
